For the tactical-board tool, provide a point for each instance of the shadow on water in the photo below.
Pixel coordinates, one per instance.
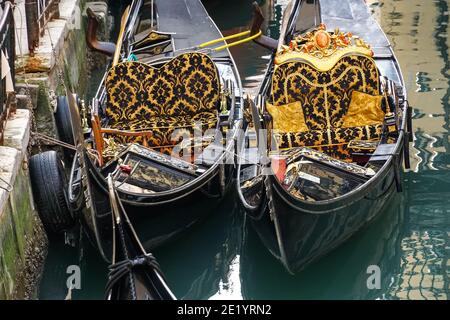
(409, 241)
(199, 266)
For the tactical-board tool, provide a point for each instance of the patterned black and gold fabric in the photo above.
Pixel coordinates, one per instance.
(331, 141)
(172, 100)
(325, 98)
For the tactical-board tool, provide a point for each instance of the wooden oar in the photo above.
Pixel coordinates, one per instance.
(123, 24)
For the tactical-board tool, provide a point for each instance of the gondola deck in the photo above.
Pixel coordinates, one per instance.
(189, 23)
(354, 16)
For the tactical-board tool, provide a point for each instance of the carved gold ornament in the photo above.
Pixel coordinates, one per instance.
(322, 48)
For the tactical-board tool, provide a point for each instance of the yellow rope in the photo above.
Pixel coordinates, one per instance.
(237, 35)
(257, 35)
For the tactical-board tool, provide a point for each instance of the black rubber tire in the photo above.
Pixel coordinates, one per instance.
(49, 184)
(64, 125)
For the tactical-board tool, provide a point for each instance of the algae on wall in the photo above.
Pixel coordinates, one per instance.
(16, 234)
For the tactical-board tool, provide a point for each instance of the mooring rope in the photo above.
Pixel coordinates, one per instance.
(45, 138)
(8, 187)
(119, 270)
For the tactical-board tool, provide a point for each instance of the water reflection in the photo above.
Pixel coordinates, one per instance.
(424, 243)
(419, 32)
(204, 264)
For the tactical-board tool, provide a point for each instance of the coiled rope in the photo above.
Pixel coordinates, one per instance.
(119, 270)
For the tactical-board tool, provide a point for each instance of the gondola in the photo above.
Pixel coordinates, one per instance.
(162, 126)
(334, 129)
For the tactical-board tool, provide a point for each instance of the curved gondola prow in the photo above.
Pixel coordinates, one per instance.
(266, 41)
(248, 198)
(137, 279)
(106, 48)
(258, 19)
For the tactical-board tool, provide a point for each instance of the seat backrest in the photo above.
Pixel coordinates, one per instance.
(186, 85)
(323, 80)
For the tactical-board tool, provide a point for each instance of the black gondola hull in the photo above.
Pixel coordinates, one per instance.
(300, 233)
(157, 220)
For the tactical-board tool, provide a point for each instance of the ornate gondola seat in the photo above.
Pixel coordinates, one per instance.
(331, 87)
(159, 107)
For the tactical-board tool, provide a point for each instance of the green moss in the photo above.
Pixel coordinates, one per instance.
(44, 111)
(76, 75)
(22, 210)
(10, 253)
(16, 225)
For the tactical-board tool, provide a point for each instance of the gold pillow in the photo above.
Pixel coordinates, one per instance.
(288, 117)
(364, 109)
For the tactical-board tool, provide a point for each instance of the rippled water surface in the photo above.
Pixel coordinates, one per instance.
(409, 242)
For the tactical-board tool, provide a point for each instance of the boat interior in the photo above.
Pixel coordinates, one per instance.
(331, 114)
(333, 118)
(161, 112)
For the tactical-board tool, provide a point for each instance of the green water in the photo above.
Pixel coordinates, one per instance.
(221, 258)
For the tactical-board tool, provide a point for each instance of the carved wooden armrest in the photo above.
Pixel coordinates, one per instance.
(98, 132)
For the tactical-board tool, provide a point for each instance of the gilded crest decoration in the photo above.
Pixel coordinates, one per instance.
(321, 44)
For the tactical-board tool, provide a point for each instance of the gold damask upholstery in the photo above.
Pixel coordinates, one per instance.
(288, 117)
(325, 95)
(331, 141)
(170, 130)
(169, 101)
(363, 108)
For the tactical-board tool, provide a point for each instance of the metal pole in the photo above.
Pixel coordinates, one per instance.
(31, 12)
(7, 99)
(152, 5)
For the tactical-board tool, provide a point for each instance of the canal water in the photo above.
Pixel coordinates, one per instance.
(223, 259)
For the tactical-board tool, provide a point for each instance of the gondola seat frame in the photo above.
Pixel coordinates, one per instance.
(324, 81)
(147, 105)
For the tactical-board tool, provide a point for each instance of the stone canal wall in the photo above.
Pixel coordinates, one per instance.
(62, 56)
(22, 239)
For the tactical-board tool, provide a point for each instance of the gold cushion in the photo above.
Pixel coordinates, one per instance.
(288, 117)
(324, 96)
(364, 109)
